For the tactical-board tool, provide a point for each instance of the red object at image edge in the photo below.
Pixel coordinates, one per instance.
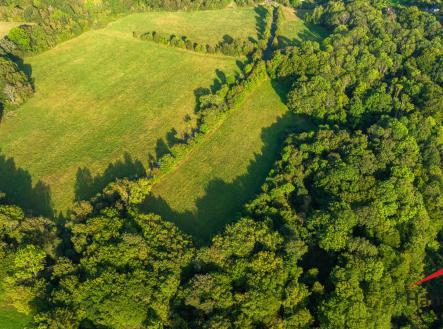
(431, 276)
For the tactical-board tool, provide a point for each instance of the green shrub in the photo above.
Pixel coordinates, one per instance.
(20, 37)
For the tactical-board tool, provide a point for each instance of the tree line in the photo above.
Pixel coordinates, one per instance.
(213, 108)
(228, 46)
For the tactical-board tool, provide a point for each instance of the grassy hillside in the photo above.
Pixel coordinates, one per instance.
(208, 26)
(98, 96)
(227, 169)
(295, 30)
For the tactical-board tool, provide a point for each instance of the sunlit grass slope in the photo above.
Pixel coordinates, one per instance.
(207, 26)
(6, 26)
(295, 29)
(98, 96)
(227, 169)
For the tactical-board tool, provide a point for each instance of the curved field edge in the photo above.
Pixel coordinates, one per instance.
(226, 170)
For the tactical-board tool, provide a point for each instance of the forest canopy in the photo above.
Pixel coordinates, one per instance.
(349, 217)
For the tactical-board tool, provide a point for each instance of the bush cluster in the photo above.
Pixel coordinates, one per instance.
(15, 84)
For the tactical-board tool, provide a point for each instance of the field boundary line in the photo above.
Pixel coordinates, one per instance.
(207, 136)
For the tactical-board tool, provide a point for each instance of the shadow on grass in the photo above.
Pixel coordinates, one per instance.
(87, 185)
(260, 21)
(224, 201)
(16, 184)
(312, 33)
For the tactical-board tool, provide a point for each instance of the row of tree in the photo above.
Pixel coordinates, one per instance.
(228, 46)
(213, 108)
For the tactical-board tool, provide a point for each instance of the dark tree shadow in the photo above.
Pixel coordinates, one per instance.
(218, 81)
(228, 39)
(224, 201)
(284, 42)
(216, 85)
(241, 65)
(161, 148)
(312, 33)
(87, 185)
(253, 40)
(260, 12)
(16, 184)
(282, 89)
(171, 137)
(27, 70)
(221, 76)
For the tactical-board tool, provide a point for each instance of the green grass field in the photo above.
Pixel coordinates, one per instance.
(227, 168)
(98, 96)
(295, 30)
(11, 319)
(208, 26)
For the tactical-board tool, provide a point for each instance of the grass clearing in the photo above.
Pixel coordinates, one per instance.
(5, 27)
(98, 96)
(207, 26)
(295, 29)
(11, 319)
(223, 172)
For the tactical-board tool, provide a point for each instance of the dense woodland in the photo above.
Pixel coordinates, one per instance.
(347, 220)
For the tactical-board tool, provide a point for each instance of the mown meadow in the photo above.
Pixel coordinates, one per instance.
(99, 96)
